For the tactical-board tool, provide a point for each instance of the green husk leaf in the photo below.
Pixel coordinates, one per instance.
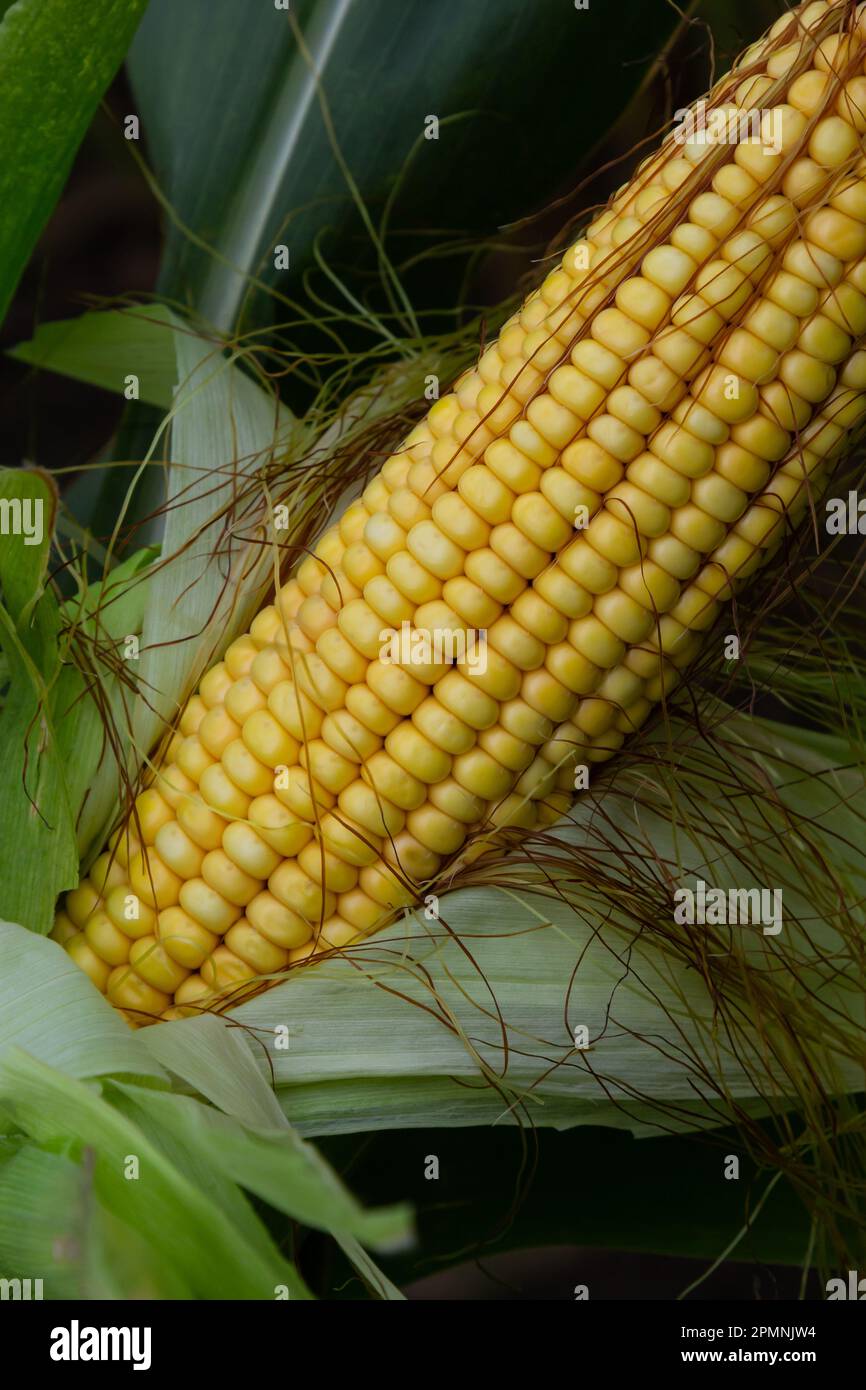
(387, 1035)
(405, 1029)
(210, 584)
(37, 827)
(275, 1165)
(120, 1263)
(56, 59)
(53, 1229)
(207, 582)
(49, 1008)
(40, 1209)
(373, 1277)
(219, 1064)
(104, 347)
(210, 1238)
(109, 610)
(29, 501)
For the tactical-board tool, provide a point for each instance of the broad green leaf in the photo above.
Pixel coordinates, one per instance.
(276, 1165)
(122, 1263)
(49, 1008)
(37, 827)
(209, 581)
(106, 347)
(224, 1068)
(325, 1108)
(196, 1166)
(56, 59)
(52, 1228)
(197, 1236)
(28, 502)
(115, 602)
(517, 88)
(43, 1197)
(59, 781)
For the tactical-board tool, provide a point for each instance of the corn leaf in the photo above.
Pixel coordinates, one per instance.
(218, 1063)
(49, 1012)
(49, 1008)
(372, 1276)
(406, 1032)
(118, 1262)
(276, 1165)
(631, 1206)
(37, 828)
(53, 1230)
(56, 59)
(59, 759)
(41, 1209)
(106, 612)
(104, 348)
(203, 1229)
(224, 427)
(430, 1024)
(261, 170)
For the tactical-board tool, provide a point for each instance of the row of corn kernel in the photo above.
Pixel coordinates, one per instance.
(101, 905)
(791, 492)
(256, 672)
(692, 609)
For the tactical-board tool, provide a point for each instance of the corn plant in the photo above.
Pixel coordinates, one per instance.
(433, 713)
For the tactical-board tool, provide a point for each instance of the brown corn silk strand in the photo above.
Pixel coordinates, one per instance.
(683, 382)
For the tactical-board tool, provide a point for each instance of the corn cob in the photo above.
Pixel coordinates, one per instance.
(682, 383)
